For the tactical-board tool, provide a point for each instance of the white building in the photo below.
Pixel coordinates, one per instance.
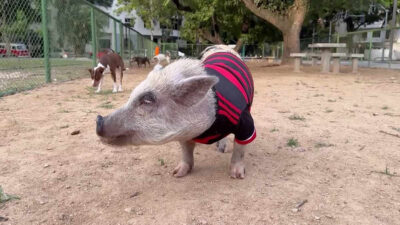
(157, 34)
(375, 35)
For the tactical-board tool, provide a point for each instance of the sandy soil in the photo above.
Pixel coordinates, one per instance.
(345, 167)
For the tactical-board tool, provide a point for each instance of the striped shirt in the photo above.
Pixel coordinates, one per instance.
(234, 94)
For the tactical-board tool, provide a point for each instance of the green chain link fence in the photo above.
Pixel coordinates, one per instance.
(373, 43)
(44, 41)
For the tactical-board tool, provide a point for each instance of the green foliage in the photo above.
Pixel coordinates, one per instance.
(149, 10)
(106, 3)
(15, 31)
(292, 142)
(6, 197)
(276, 6)
(73, 25)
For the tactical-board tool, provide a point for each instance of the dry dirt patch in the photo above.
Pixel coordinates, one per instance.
(340, 168)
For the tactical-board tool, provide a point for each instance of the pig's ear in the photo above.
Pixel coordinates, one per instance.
(192, 90)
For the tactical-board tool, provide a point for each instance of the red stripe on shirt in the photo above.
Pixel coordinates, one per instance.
(232, 55)
(231, 78)
(221, 112)
(206, 139)
(227, 102)
(250, 139)
(228, 110)
(236, 73)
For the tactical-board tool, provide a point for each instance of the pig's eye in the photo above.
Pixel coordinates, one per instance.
(147, 99)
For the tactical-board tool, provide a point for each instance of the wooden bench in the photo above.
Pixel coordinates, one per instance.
(297, 60)
(336, 61)
(354, 58)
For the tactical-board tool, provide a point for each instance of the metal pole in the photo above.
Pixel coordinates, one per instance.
(330, 31)
(121, 40)
(392, 31)
(129, 43)
(370, 52)
(93, 25)
(45, 41)
(115, 36)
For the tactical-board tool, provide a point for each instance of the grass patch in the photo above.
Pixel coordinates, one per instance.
(274, 130)
(106, 92)
(323, 145)
(292, 142)
(106, 105)
(385, 107)
(318, 95)
(6, 197)
(162, 162)
(396, 129)
(331, 100)
(328, 110)
(63, 111)
(387, 172)
(64, 126)
(296, 117)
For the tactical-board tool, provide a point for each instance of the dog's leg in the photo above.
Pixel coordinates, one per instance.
(114, 77)
(121, 74)
(99, 87)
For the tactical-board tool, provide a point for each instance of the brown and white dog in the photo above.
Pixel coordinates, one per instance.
(115, 64)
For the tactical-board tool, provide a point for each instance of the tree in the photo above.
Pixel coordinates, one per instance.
(105, 3)
(73, 23)
(220, 21)
(150, 11)
(287, 15)
(15, 18)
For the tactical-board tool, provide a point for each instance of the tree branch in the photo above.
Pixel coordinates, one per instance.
(275, 19)
(215, 39)
(181, 7)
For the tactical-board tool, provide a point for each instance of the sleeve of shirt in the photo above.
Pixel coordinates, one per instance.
(246, 131)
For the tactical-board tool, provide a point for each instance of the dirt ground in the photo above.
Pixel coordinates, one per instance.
(344, 169)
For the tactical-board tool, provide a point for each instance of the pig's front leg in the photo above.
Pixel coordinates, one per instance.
(186, 165)
(237, 161)
(221, 145)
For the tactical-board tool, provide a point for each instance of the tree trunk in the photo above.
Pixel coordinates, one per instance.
(215, 39)
(289, 24)
(291, 44)
(239, 45)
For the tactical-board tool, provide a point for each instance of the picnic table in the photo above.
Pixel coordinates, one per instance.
(326, 53)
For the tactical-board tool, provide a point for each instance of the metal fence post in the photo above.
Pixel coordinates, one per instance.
(129, 43)
(370, 52)
(393, 25)
(93, 25)
(121, 39)
(115, 36)
(45, 40)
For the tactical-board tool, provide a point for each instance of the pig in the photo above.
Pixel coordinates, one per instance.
(189, 101)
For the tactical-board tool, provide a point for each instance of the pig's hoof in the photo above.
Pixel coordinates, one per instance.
(237, 170)
(182, 169)
(221, 146)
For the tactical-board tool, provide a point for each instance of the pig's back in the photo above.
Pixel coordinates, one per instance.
(234, 93)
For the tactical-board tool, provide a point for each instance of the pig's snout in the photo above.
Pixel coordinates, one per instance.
(99, 125)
